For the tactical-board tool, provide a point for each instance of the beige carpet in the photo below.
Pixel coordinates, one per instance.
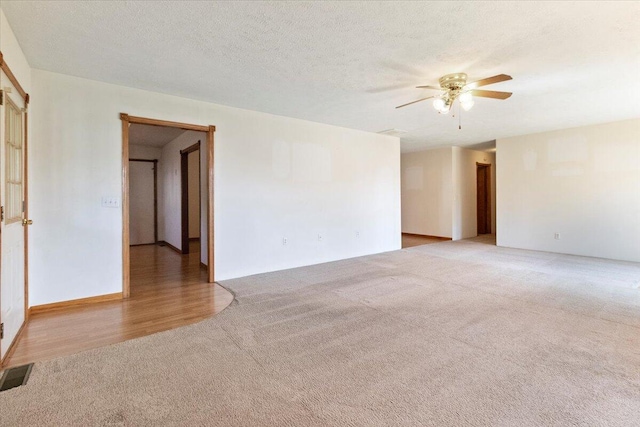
(450, 334)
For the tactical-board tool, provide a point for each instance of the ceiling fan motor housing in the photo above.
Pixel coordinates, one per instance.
(455, 81)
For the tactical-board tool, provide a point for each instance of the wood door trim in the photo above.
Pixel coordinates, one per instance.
(166, 123)
(210, 219)
(155, 196)
(13, 79)
(13, 345)
(126, 121)
(25, 214)
(126, 267)
(191, 148)
(184, 195)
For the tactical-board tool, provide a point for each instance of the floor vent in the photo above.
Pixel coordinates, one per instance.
(15, 377)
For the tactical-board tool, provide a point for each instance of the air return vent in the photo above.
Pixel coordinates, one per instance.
(15, 377)
(392, 132)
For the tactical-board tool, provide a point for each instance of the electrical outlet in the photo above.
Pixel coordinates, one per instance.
(284, 241)
(357, 234)
(556, 236)
(319, 237)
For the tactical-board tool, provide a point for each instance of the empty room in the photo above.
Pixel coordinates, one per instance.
(319, 213)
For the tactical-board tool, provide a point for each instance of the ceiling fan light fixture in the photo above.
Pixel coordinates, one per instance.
(439, 104)
(466, 105)
(465, 97)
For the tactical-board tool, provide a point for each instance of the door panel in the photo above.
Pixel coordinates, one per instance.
(12, 191)
(483, 191)
(141, 203)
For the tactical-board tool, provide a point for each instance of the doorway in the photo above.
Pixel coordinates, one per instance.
(207, 235)
(143, 193)
(483, 191)
(190, 196)
(14, 222)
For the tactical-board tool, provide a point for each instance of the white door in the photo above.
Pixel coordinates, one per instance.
(12, 233)
(141, 203)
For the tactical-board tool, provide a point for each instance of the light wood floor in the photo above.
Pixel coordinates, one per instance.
(168, 290)
(410, 240)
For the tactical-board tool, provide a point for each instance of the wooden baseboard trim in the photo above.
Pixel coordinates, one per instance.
(170, 246)
(426, 235)
(62, 305)
(12, 346)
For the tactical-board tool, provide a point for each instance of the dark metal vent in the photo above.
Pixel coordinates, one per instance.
(15, 377)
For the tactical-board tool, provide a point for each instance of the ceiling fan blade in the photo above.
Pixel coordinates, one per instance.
(413, 102)
(491, 94)
(488, 81)
(429, 87)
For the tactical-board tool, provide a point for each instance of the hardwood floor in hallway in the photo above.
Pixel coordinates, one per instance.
(411, 240)
(168, 290)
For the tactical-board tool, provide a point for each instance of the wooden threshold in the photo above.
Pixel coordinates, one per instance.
(427, 235)
(62, 305)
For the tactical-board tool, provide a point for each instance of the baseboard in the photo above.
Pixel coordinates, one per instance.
(203, 265)
(426, 235)
(74, 303)
(12, 346)
(170, 246)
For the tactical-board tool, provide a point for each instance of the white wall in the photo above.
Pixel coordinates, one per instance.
(427, 192)
(137, 151)
(275, 178)
(194, 191)
(170, 198)
(13, 55)
(583, 183)
(439, 192)
(141, 193)
(141, 203)
(465, 212)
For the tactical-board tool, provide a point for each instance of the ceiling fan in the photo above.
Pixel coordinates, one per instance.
(455, 86)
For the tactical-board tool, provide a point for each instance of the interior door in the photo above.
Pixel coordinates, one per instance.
(12, 197)
(483, 185)
(141, 203)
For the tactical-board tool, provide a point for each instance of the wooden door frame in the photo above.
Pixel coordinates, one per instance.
(210, 130)
(25, 186)
(184, 196)
(487, 186)
(155, 194)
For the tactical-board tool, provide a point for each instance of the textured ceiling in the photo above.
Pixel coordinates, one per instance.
(350, 63)
(153, 136)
